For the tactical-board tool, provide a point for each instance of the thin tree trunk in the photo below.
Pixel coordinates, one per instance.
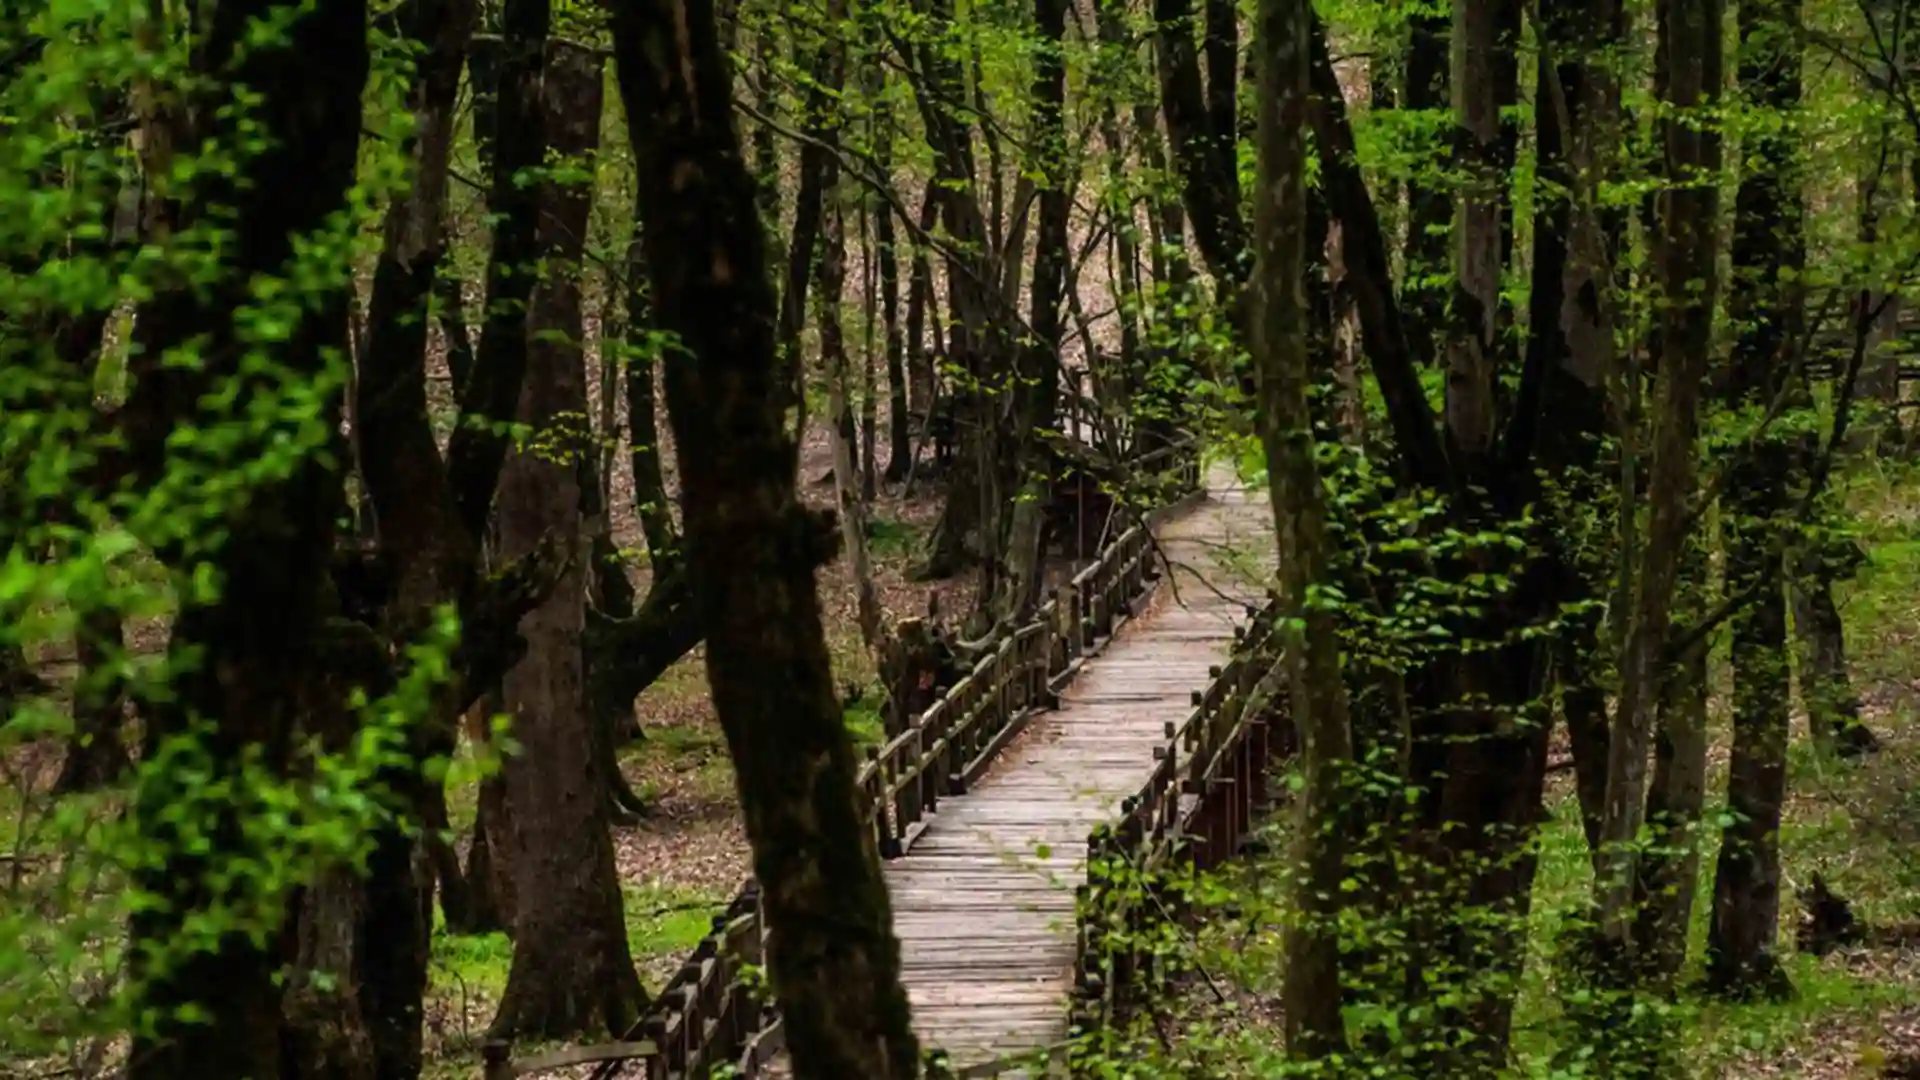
(869, 355)
(478, 446)
(419, 533)
(1670, 869)
(1036, 400)
(981, 346)
(766, 148)
(1204, 157)
(1690, 36)
(826, 69)
(899, 414)
(833, 356)
(1429, 211)
(922, 381)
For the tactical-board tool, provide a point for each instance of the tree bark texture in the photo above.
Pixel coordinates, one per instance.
(1684, 250)
(251, 654)
(1311, 993)
(752, 552)
(1484, 79)
(1769, 249)
(572, 971)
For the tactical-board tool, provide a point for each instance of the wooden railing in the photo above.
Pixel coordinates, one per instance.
(1207, 785)
(710, 1012)
(946, 748)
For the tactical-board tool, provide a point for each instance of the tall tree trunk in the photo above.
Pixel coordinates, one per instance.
(1203, 156)
(766, 148)
(571, 968)
(249, 656)
(1571, 352)
(478, 446)
(1769, 249)
(826, 69)
(981, 347)
(869, 355)
(752, 551)
(1685, 252)
(1311, 993)
(846, 482)
(922, 381)
(1036, 396)
(1878, 190)
(418, 529)
(899, 414)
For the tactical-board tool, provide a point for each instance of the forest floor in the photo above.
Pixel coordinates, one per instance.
(1855, 1013)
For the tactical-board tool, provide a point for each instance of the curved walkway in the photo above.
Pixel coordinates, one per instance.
(984, 899)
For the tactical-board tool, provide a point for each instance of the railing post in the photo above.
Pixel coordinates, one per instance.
(1073, 609)
(496, 1057)
(877, 802)
(910, 797)
(665, 1060)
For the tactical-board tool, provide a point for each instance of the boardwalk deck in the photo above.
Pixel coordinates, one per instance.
(984, 901)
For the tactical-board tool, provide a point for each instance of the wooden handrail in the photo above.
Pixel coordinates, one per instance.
(1197, 804)
(708, 1013)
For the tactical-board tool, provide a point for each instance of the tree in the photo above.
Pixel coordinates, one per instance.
(1284, 370)
(1769, 249)
(571, 969)
(249, 654)
(752, 550)
(1685, 254)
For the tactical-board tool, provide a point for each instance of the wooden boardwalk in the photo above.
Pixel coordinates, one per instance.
(984, 899)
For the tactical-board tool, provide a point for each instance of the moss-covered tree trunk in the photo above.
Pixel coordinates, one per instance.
(1769, 248)
(1284, 369)
(752, 551)
(250, 655)
(1684, 252)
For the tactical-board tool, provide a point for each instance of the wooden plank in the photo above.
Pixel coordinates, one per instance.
(986, 925)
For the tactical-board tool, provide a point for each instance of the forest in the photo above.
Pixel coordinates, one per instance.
(550, 539)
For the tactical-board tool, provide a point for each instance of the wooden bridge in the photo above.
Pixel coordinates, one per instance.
(984, 899)
(1113, 729)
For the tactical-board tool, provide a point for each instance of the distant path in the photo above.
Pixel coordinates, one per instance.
(986, 924)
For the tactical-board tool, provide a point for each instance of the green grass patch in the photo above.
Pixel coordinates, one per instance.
(662, 922)
(865, 721)
(668, 921)
(890, 538)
